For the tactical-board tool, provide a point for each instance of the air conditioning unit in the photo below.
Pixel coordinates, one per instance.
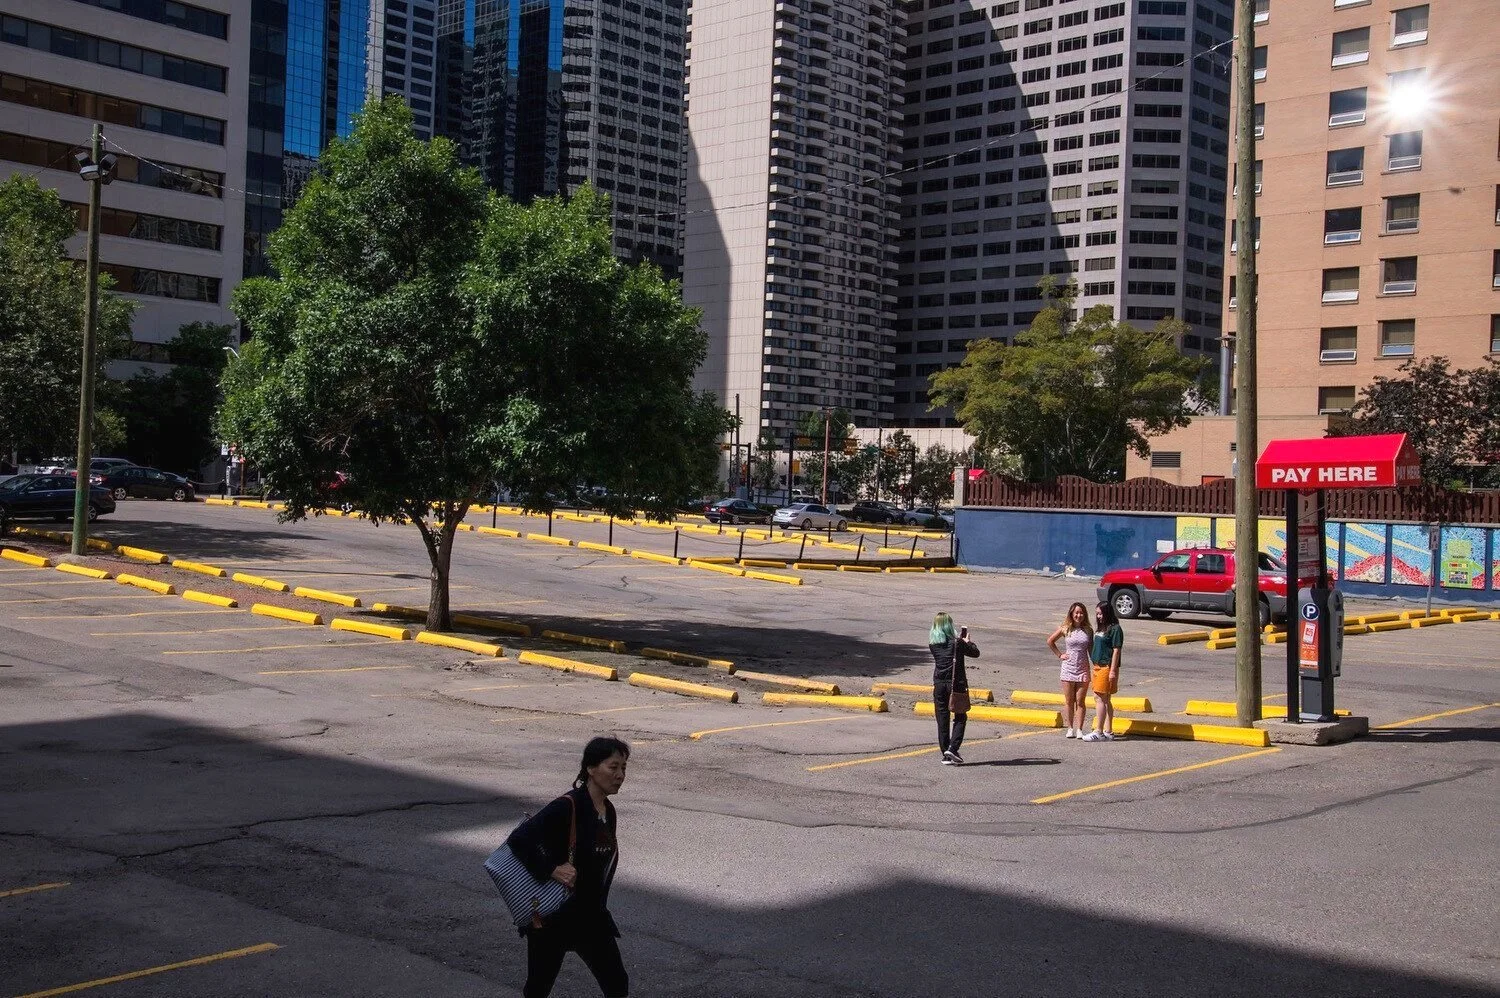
(1402, 224)
(1351, 59)
(1346, 118)
(1340, 297)
(1260, 133)
(1345, 177)
(1339, 238)
(1234, 303)
(1399, 288)
(1337, 356)
(1396, 163)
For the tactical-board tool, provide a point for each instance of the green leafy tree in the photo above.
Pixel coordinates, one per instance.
(1069, 398)
(933, 476)
(42, 299)
(169, 418)
(1451, 418)
(763, 474)
(425, 338)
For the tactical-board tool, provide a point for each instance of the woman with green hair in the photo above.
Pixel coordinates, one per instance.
(950, 683)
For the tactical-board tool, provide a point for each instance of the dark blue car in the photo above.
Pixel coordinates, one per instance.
(26, 497)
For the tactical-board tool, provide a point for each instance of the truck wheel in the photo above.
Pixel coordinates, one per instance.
(1127, 603)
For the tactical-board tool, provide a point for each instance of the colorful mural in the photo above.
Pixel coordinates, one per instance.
(1365, 551)
(1273, 537)
(1461, 565)
(1224, 532)
(1194, 532)
(1331, 548)
(1411, 561)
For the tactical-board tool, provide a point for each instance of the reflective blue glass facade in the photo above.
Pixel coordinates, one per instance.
(306, 59)
(266, 113)
(351, 59)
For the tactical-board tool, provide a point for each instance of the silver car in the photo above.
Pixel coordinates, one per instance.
(809, 516)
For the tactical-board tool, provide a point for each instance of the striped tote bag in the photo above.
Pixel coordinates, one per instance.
(526, 897)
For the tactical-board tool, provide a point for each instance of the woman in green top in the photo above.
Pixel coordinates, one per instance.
(1105, 681)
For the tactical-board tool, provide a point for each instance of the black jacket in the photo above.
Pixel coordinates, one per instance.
(948, 661)
(541, 844)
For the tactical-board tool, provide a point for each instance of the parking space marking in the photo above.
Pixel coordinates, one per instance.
(236, 651)
(141, 613)
(1434, 717)
(922, 751)
(773, 724)
(18, 891)
(287, 561)
(196, 630)
(644, 706)
(505, 686)
(352, 668)
(197, 961)
(76, 599)
(1151, 776)
(49, 582)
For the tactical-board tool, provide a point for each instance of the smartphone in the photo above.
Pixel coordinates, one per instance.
(963, 632)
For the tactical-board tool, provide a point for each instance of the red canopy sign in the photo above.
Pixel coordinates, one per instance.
(1338, 463)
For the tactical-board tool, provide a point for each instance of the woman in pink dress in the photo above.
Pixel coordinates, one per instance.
(1076, 636)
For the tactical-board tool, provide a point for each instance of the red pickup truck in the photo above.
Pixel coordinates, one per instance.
(1200, 579)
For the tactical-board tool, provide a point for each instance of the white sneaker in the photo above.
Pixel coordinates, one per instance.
(949, 760)
(1072, 733)
(1093, 736)
(1107, 736)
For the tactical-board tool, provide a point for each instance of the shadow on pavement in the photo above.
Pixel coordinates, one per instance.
(203, 541)
(376, 853)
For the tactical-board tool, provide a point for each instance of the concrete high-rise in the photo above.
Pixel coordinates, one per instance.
(1379, 209)
(1055, 137)
(793, 129)
(169, 83)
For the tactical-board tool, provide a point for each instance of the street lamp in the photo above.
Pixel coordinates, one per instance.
(96, 168)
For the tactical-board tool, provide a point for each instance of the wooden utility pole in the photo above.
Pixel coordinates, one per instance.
(1247, 634)
(826, 418)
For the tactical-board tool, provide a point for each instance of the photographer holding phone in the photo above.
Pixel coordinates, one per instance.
(950, 684)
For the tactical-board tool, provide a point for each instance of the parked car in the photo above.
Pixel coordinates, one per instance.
(133, 482)
(922, 514)
(873, 511)
(1201, 580)
(38, 496)
(809, 516)
(101, 466)
(736, 511)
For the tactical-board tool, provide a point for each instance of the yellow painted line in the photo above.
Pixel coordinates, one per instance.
(1151, 776)
(646, 706)
(503, 686)
(107, 616)
(197, 961)
(771, 724)
(195, 630)
(1434, 717)
(51, 582)
(353, 668)
(915, 752)
(233, 651)
(34, 888)
(76, 599)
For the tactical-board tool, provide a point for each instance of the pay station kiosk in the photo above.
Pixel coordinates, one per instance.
(1304, 470)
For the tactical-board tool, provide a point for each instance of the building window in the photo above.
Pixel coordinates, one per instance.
(1337, 344)
(1409, 27)
(1405, 152)
(1262, 11)
(1260, 121)
(1404, 213)
(1495, 334)
(103, 52)
(1340, 285)
(1335, 399)
(1352, 47)
(172, 13)
(1260, 63)
(1347, 107)
(1346, 167)
(1341, 225)
(1398, 276)
(1398, 338)
(1495, 270)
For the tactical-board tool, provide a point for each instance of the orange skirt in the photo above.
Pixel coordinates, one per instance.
(1101, 682)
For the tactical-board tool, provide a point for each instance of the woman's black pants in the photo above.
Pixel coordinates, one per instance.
(947, 742)
(597, 948)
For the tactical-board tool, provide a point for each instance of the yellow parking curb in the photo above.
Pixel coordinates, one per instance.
(1132, 705)
(715, 560)
(683, 658)
(919, 553)
(256, 580)
(201, 569)
(788, 580)
(142, 554)
(1414, 614)
(561, 542)
(875, 705)
(396, 610)
(1218, 644)
(653, 556)
(254, 504)
(1390, 625)
(1453, 611)
(365, 627)
(895, 569)
(1280, 638)
(1181, 638)
(88, 573)
(282, 613)
(1217, 733)
(952, 570)
(209, 598)
(666, 685)
(976, 693)
(35, 561)
(498, 531)
(814, 566)
(762, 563)
(608, 644)
(219, 502)
(791, 682)
(1431, 621)
(323, 596)
(859, 568)
(567, 665)
(839, 546)
(1373, 618)
(1003, 715)
(1224, 708)
(462, 644)
(709, 566)
(160, 588)
(97, 544)
(1464, 618)
(606, 548)
(486, 624)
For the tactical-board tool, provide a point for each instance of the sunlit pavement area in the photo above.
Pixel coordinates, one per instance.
(229, 804)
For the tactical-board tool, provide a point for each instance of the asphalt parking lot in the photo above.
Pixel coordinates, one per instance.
(207, 783)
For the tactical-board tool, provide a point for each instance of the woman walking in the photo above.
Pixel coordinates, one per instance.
(950, 684)
(1076, 636)
(1104, 655)
(572, 841)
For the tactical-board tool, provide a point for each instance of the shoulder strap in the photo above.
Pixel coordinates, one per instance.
(572, 828)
